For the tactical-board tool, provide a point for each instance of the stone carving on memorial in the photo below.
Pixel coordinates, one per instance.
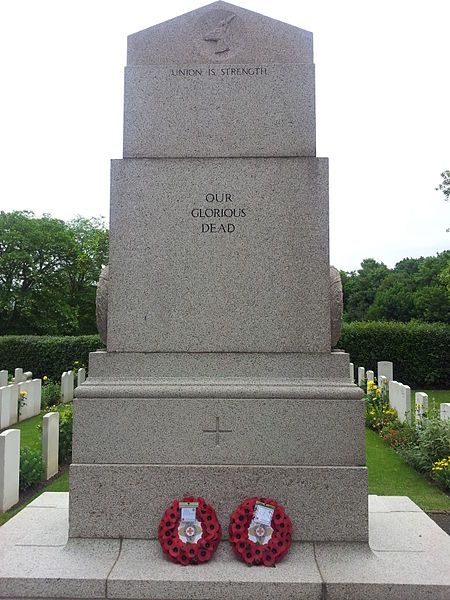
(336, 305)
(101, 304)
(220, 35)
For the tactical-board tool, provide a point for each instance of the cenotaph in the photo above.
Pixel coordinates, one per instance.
(219, 378)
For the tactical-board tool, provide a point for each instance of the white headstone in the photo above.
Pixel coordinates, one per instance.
(5, 410)
(382, 382)
(370, 376)
(3, 378)
(445, 411)
(23, 401)
(421, 401)
(50, 443)
(394, 395)
(9, 468)
(13, 403)
(31, 399)
(404, 411)
(63, 386)
(352, 372)
(18, 375)
(70, 385)
(81, 376)
(28, 375)
(385, 368)
(36, 386)
(361, 375)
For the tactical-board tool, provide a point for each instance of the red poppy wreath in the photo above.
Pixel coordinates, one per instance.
(260, 532)
(189, 531)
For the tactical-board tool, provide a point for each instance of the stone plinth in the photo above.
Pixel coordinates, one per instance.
(299, 440)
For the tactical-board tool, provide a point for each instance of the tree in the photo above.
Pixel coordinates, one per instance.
(48, 273)
(416, 288)
(360, 288)
(444, 186)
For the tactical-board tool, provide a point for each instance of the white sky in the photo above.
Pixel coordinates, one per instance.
(383, 107)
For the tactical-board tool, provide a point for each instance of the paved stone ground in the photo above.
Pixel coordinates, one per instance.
(408, 558)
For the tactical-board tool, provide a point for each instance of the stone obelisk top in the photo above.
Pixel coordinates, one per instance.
(220, 81)
(221, 33)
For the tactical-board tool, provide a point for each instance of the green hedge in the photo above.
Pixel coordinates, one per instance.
(420, 351)
(46, 355)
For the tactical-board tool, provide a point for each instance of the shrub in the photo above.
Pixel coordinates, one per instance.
(440, 472)
(398, 434)
(380, 416)
(51, 394)
(431, 444)
(31, 468)
(46, 355)
(65, 434)
(420, 351)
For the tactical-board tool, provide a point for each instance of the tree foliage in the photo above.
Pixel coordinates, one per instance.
(444, 186)
(415, 289)
(48, 273)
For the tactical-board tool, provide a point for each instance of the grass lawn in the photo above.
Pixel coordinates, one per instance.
(59, 483)
(30, 435)
(390, 476)
(435, 398)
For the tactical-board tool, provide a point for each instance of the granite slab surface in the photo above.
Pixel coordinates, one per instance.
(408, 558)
(113, 501)
(219, 255)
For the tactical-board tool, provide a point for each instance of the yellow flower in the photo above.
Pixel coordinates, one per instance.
(23, 393)
(45, 378)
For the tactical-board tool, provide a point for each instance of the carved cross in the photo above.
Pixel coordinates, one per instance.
(217, 431)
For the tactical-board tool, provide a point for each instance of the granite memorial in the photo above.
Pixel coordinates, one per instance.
(219, 313)
(219, 355)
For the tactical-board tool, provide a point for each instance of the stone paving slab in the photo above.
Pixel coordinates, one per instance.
(143, 572)
(51, 500)
(392, 504)
(408, 559)
(36, 527)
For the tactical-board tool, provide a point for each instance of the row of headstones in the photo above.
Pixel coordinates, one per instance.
(10, 458)
(29, 391)
(385, 373)
(399, 394)
(68, 383)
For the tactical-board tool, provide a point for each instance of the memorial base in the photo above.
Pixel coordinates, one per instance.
(408, 558)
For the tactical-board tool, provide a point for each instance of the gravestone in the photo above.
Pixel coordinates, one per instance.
(3, 378)
(352, 372)
(385, 368)
(444, 411)
(361, 375)
(218, 376)
(421, 404)
(18, 375)
(9, 468)
(50, 442)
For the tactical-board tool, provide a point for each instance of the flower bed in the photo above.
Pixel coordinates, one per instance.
(425, 444)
